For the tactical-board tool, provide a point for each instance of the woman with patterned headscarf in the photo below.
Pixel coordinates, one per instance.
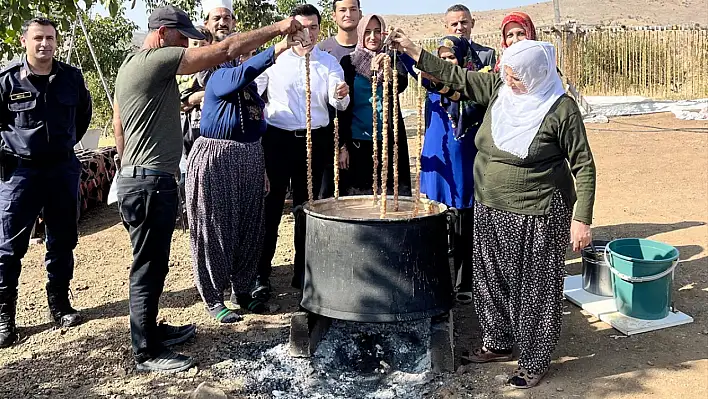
(534, 179)
(356, 123)
(515, 27)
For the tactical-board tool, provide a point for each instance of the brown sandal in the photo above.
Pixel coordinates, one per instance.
(522, 379)
(484, 355)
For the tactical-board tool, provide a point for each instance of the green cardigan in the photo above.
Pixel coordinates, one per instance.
(559, 152)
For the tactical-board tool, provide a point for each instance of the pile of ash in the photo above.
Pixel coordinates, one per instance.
(353, 360)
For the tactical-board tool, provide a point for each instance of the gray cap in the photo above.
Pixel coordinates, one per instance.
(172, 17)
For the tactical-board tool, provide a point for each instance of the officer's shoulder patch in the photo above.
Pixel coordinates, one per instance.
(20, 96)
(10, 67)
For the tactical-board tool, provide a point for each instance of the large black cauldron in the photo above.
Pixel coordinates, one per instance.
(363, 268)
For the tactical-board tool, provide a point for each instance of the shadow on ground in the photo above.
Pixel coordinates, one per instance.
(101, 365)
(98, 219)
(635, 230)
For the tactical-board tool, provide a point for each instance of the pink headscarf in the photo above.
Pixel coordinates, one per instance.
(362, 56)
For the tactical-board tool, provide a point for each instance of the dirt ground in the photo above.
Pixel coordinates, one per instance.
(652, 183)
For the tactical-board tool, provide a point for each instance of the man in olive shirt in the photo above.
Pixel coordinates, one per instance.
(148, 137)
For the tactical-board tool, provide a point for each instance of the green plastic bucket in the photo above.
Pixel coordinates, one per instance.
(642, 276)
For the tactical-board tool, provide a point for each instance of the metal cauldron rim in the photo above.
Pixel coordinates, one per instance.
(442, 207)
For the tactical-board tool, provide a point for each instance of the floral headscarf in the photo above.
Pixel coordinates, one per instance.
(466, 57)
(461, 113)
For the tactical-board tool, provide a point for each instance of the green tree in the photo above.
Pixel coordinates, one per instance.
(112, 41)
(111, 38)
(329, 26)
(14, 12)
(188, 6)
(284, 7)
(250, 14)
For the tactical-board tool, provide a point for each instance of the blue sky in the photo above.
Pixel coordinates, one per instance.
(139, 14)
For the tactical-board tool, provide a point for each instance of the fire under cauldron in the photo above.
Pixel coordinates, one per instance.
(360, 267)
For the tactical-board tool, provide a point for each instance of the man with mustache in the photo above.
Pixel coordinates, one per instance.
(219, 21)
(45, 109)
(219, 18)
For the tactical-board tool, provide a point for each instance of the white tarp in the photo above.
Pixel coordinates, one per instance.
(610, 106)
(604, 107)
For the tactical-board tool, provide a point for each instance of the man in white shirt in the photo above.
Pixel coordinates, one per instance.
(284, 143)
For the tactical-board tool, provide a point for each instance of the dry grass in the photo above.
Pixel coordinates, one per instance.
(662, 64)
(595, 12)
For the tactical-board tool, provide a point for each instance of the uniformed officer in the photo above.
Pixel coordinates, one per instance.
(45, 109)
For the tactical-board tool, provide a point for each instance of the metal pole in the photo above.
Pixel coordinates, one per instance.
(95, 59)
(559, 31)
(71, 43)
(556, 11)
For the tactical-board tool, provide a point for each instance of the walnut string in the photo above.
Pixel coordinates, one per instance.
(384, 133)
(396, 106)
(375, 129)
(418, 143)
(336, 154)
(308, 116)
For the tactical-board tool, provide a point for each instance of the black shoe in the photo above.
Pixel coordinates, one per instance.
(60, 310)
(260, 292)
(175, 335)
(247, 302)
(8, 329)
(166, 362)
(298, 280)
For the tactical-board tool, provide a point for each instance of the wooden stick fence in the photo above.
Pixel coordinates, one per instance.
(655, 62)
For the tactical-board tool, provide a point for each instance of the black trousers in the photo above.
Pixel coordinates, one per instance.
(148, 209)
(358, 179)
(286, 160)
(327, 186)
(27, 191)
(462, 241)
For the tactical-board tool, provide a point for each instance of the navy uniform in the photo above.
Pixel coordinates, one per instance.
(42, 117)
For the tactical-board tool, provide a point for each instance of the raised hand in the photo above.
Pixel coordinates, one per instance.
(289, 26)
(378, 62)
(290, 40)
(404, 44)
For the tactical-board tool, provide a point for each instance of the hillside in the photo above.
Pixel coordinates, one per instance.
(628, 12)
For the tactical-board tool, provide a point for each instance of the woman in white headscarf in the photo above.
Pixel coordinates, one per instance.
(533, 166)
